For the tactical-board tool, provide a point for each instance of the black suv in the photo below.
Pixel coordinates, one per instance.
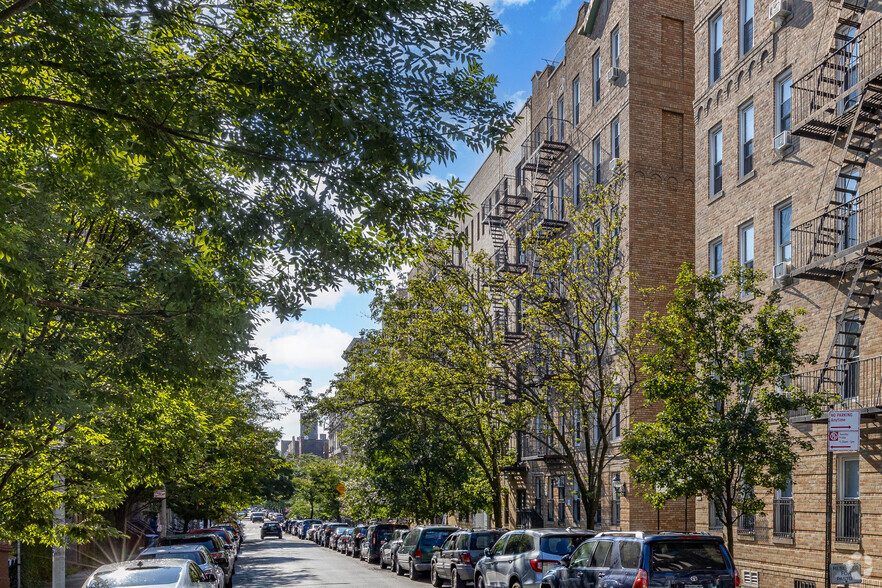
(641, 560)
(374, 538)
(271, 528)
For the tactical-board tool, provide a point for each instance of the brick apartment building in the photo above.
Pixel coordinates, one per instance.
(787, 109)
(604, 103)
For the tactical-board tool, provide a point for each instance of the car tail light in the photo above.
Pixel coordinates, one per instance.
(737, 579)
(418, 553)
(217, 554)
(543, 565)
(466, 557)
(642, 580)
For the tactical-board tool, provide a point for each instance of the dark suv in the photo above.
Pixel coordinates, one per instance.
(415, 554)
(642, 560)
(271, 529)
(456, 559)
(374, 539)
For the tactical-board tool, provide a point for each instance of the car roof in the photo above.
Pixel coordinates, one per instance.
(156, 563)
(182, 547)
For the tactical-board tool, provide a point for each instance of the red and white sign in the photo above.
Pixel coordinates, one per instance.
(843, 430)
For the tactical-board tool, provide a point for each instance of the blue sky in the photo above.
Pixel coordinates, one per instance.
(311, 347)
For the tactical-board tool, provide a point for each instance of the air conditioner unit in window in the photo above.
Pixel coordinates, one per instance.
(613, 165)
(779, 12)
(613, 74)
(781, 270)
(782, 142)
(750, 578)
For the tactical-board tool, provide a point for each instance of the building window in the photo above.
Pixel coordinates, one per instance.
(783, 511)
(848, 505)
(714, 522)
(577, 504)
(745, 247)
(716, 161)
(746, 26)
(716, 47)
(614, 48)
(577, 183)
(783, 98)
(577, 96)
(783, 222)
(561, 119)
(577, 428)
(549, 125)
(615, 134)
(561, 190)
(715, 255)
(595, 62)
(561, 499)
(598, 156)
(746, 149)
(617, 424)
(537, 499)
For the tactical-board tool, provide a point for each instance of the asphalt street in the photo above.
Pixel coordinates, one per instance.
(279, 563)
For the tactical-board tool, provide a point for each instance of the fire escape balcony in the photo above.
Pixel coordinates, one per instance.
(825, 246)
(824, 98)
(548, 216)
(508, 259)
(548, 142)
(848, 385)
(516, 442)
(504, 202)
(508, 326)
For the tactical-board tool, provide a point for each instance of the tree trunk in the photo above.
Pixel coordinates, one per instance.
(497, 506)
(730, 539)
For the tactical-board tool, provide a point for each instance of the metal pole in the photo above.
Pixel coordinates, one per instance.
(58, 564)
(18, 565)
(828, 536)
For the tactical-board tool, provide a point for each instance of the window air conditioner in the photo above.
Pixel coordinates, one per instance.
(750, 578)
(614, 164)
(781, 270)
(613, 74)
(782, 143)
(779, 12)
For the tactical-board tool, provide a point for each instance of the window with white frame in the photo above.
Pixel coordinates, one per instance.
(614, 48)
(783, 100)
(577, 183)
(715, 66)
(783, 223)
(745, 245)
(746, 26)
(746, 143)
(616, 424)
(595, 64)
(577, 96)
(715, 254)
(561, 119)
(597, 154)
(716, 160)
(615, 130)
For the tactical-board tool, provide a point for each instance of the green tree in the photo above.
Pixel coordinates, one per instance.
(315, 482)
(169, 168)
(720, 362)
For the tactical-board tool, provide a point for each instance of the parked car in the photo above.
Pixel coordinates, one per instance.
(389, 549)
(198, 554)
(257, 517)
(521, 558)
(353, 544)
(610, 560)
(455, 560)
(236, 532)
(224, 535)
(212, 542)
(304, 527)
(169, 573)
(415, 554)
(338, 539)
(327, 532)
(271, 529)
(312, 533)
(374, 538)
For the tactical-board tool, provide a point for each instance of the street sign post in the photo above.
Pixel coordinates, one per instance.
(159, 493)
(341, 488)
(846, 573)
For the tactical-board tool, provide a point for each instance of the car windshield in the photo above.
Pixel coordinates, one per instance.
(560, 544)
(433, 537)
(479, 541)
(135, 577)
(686, 556)
(271, 526)
(191, 555)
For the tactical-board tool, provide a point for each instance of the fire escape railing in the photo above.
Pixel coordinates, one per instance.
(822, 95)
(859, 389)
(837, 230)
(504, 201)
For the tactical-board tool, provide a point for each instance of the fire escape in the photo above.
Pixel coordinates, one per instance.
(840, 102)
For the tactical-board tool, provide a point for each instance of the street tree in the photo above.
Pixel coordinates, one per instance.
(170, 168)
(720, 361)
(315, 483)
(573, 368)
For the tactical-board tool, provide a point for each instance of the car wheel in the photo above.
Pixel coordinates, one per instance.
(479, 582)
(383, 565)
(516, 584)
(412, 571)
(397, 567)
(455, 582)
(436, 579)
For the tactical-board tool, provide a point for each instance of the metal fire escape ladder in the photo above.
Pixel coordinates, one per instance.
(865, 286)
(851, 13)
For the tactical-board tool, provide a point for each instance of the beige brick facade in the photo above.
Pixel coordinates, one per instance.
(802, 178)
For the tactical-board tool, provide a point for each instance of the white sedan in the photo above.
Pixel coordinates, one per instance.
(165, 573)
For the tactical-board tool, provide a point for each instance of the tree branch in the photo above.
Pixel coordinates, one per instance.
(16, 8)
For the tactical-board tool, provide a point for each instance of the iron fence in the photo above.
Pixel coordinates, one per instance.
(860, 388)
(848, 520)
(837, 76)
(747, 524)
(783, 510)
(504, 200)
(837, 230)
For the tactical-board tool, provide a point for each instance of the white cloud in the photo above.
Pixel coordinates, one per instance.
(558, 8)
(518, 99)
(329, 299)
(303, 345)
(497, 6)
(289, 421)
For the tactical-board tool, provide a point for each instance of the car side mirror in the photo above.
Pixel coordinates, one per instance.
(487, 552)
(565, 561)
